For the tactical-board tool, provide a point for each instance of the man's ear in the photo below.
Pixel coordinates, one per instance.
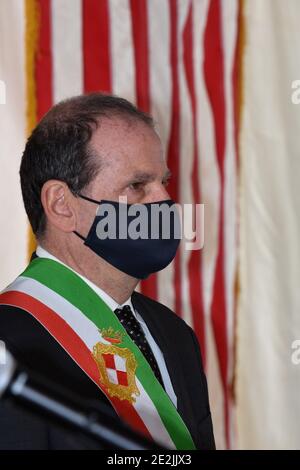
(59, 205)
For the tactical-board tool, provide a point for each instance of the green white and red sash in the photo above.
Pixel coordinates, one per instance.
(92, 335)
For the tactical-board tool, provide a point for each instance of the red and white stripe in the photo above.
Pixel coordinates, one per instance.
(175, 59)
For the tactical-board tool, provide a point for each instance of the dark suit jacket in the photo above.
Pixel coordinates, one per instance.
(37, 350)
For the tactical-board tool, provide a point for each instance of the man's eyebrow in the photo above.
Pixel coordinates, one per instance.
(145, 177)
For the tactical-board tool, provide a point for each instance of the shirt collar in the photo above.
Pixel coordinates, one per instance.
(112, 304)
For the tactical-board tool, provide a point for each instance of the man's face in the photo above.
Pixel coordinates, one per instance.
(132, 165)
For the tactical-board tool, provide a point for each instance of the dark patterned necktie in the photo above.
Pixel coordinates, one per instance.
(135, 331)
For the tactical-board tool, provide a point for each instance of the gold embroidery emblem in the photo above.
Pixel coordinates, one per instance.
(117, 366)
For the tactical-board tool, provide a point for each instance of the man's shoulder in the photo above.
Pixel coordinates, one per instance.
(157, 308)
(159, 315)
(34, 347)
(17, 325)
(168, 326)
(29, 342)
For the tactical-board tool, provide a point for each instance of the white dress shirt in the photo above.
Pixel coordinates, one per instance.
(112, 304)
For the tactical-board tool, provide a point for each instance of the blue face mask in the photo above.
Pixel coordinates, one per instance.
(131, 238)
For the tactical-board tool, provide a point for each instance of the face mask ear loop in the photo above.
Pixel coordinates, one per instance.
(89, 199)
(78, 235)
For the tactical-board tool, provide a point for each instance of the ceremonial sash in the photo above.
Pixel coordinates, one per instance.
(92, 335)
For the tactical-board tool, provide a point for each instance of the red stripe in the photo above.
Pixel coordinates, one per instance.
(96, 45)
(74, 346)
(174, 140)
(195, 261)
(139, 20)
(214, 79)
(43, 62)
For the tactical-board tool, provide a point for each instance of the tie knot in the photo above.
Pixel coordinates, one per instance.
(123, 311)
(127, 318)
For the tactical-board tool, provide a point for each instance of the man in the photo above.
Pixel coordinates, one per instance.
(73, 315)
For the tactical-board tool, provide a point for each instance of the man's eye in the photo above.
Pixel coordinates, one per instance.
(136, 186)
(166, 182)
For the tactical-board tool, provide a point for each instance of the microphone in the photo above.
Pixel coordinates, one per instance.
(30, 391)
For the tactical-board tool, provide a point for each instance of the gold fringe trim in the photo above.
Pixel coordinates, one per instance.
(32, 23)
(31, 37)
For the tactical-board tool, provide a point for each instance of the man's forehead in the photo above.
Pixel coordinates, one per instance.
(115, 138)
(122, 125)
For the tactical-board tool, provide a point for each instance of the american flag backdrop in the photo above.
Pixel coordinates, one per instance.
(179, 61)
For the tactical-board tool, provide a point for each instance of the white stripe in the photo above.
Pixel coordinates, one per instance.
(122, 52)
(210, 192)
(229, 18)
(145, 408)
(208, 168)
(159, 66)
(66, 23)
(161, 106)
(229, 22)
(185, 157)
(89, 334)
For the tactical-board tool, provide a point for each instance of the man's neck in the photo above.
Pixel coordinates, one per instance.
(113, 282)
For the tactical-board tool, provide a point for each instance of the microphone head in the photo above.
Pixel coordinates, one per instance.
(7, 368)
